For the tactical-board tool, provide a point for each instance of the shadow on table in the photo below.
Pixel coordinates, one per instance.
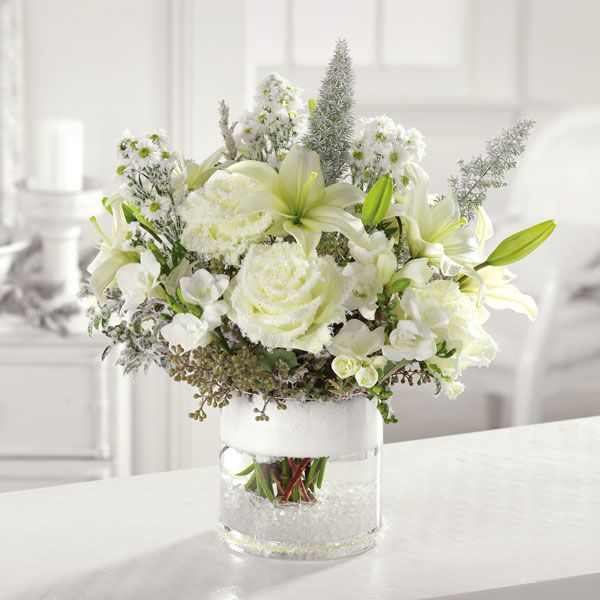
(199, 567)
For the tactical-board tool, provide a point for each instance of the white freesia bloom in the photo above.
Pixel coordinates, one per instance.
(352, 347)
(214, 226)
(357, 340)
(297, 198)
(345, 366)
(410, 341)
(495, 282)
(138, 281)
(187, 331)
(364, 286)
(451, 388)
(366, 376)
(435, 231)
(376, 250)
(203, 288)
(283, 298)
(417, 270)
(113, 253)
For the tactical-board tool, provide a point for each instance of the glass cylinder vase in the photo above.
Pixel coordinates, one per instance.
(306, 483)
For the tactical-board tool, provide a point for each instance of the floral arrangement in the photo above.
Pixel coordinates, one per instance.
(302, 260)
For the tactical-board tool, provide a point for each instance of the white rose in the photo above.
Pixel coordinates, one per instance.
(187, 331)
(366, 377)
(345, 366)
(203, 288)
(282, 298)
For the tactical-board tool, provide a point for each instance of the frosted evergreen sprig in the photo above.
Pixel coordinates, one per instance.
(227, 130)
(485, 172)
(330, 123)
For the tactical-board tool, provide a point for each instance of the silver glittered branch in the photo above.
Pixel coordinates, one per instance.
(330, 124)
(227, 131)
(487, 171)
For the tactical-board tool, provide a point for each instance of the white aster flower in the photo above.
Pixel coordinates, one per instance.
(146, 153)
(157, 208)
(138, 281)
(282, 298)
(213, 225)
(187, 331)
(384, 147)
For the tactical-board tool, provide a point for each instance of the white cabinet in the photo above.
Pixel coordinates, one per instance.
(64, 415)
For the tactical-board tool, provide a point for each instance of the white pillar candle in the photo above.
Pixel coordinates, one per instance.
(59, 160)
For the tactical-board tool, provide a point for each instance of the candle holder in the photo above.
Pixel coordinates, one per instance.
(57, 218)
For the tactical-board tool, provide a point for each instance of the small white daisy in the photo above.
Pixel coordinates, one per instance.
(156, 208)
(146, 153)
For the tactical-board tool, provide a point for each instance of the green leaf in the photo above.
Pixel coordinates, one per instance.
(398, 285)
(312, 105)
(519, 245)
(106, 205)
(378, 200)
(269, 360)
(249, 469)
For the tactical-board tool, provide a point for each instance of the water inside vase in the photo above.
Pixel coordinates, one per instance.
(299, 506)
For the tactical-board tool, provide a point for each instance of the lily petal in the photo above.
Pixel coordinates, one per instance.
(261, 172)
(337, 219)
(342, 195)
(261, 202)
(296, 171)
(307, 237)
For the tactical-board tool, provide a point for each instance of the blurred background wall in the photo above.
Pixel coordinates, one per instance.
(459, 70)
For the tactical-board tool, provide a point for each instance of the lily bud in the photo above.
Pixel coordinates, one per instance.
(519, 245)
(378, 200)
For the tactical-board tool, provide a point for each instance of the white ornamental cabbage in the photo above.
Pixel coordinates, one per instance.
(282, 298)
(213, 225)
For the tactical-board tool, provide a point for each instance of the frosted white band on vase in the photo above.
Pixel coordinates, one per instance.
(305, 429)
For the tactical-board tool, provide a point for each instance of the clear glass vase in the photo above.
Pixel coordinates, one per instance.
(306, 483)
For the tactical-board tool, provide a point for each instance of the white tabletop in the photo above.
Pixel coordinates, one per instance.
(511, 513)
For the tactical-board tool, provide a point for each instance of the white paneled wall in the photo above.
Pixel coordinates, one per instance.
(457, 69)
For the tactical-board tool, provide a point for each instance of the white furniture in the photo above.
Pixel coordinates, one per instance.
(64, 415)
(560, 352)
(510, 513)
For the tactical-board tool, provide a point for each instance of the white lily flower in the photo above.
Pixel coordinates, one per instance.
(203, 288)
(499, 292)
(112, 253)
(435, 231)
(299, 201)
(493, 284)
(365, 285)
(138, 281)
(356, 340)
(188, 331)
